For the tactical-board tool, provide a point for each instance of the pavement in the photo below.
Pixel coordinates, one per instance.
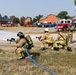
(4, 35)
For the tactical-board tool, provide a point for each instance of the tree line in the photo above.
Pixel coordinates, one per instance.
(62, 15)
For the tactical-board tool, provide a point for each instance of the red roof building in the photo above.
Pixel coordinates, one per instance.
(49, 19)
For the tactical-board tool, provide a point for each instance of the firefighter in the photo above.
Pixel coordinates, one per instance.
(20, 52)
(21, 44)
(70, 33)
(60, 40)
(47, 38)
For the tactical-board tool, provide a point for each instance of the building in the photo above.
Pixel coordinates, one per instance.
(27, 21)
(49, 19)
(2, 21)
(74, 18)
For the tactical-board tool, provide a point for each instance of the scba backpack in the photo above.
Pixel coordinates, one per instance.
(29, 41)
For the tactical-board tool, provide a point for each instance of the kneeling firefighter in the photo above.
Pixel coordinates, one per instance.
(61, 40)
(70, 33)
(47, 38)
(22, 41)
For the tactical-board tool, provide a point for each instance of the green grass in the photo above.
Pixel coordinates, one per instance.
(61, 62)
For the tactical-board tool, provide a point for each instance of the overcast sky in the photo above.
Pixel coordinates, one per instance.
(33, 8)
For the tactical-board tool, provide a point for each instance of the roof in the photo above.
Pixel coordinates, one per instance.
(28, 20)
(50, 18)
(74, 17)
(10, 20)
(2, 19)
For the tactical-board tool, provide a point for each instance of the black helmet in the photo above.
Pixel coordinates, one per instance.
(20, 34)
(56, 48)
(69, 49)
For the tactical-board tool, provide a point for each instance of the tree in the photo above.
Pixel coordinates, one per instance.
(75, 2)
(22, 19)
(12, 17)
(0, 15)
(5, 17)
(34, 20)
(63, 15)
(16, 20)
(37, 18)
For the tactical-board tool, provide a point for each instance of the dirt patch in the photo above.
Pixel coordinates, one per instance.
(27, 30)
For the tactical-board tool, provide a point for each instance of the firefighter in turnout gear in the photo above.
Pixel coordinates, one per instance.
(22, 42)
(20, 52)
(60, 40)
(70, 33)
(47, 38)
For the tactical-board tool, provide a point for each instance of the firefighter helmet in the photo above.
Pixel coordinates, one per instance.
(20, 34)
(46, 29)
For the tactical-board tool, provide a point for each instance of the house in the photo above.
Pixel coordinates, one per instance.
(49, 19)
(10, 21)
(74, 18)
(27, 21)
(2, 21)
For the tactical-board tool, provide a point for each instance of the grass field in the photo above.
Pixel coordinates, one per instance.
(61, 62)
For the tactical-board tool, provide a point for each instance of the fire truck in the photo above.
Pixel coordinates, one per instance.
(63, 24)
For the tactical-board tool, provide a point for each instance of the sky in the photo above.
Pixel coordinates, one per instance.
(33, 8)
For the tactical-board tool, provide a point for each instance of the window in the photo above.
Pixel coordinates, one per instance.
(62, 22)
(68, 21)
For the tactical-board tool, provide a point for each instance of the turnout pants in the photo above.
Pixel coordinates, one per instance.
(20, 53)
(62, 43)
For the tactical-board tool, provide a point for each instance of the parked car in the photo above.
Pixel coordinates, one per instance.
(50, 25)
(39, 25)
(46, 25)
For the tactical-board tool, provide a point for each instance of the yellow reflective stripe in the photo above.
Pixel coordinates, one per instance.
(22, 48)
(18, 51)
(19, 57)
